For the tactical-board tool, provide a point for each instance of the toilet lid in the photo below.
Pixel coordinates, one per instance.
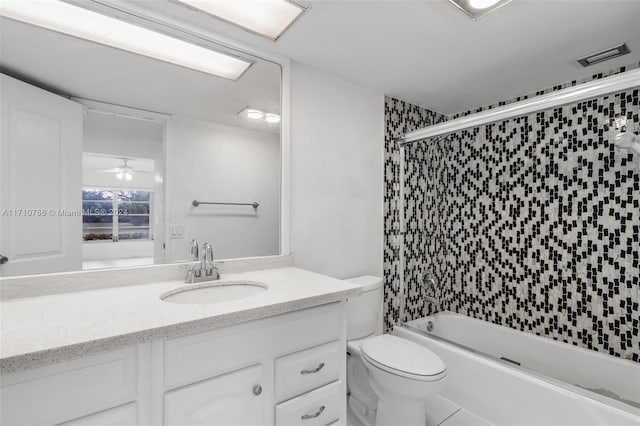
(403, 357)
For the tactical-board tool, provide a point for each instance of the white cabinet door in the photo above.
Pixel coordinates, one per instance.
(125, 415)
(232, 399)
(70, 390)
(40, 180)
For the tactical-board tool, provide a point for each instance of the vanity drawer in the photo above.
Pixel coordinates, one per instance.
(308, 369)
(320, 407)
(201, 356)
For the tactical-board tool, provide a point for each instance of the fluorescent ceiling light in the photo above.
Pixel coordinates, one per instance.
(269, 18)
(256, 114)
(476, 9)
(79, 22)
(482, 4)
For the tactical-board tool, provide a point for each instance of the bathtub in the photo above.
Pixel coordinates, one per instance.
(513, 378)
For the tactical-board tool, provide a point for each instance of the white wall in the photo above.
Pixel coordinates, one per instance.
(337, 143)
(213, 162)
(122, 136)
(104, 250)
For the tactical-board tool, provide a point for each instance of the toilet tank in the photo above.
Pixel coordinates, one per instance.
(363, 312)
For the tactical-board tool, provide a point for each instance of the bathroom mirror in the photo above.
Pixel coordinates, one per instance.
(104, 152)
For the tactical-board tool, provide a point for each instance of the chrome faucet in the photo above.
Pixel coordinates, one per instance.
(194, 251)
(430, 283)
(202, 267)
(210, 268)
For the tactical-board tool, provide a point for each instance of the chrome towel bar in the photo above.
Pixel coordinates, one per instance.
(196, 203)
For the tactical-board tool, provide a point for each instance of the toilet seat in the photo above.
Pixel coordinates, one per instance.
(353, 346)
(403, 357)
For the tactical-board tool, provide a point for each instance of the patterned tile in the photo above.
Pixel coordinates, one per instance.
(532, 223)
(400, 118)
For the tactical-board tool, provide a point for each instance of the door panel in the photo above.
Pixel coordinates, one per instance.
(41, 180)
(224, 400)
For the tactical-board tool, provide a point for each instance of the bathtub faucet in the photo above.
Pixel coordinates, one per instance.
(430, 284)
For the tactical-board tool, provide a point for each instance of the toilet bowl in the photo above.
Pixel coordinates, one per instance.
(388, 377)
(402, 374)
(362, 401)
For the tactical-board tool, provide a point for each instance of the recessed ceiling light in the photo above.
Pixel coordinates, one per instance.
(272, 118)
(268, 18)
(256, 114)
(83, 23)
(476, 9)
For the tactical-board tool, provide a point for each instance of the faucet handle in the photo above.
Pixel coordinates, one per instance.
(192, 271)
(191, 276)
(193, 250)
(207, 256)
(207, 250)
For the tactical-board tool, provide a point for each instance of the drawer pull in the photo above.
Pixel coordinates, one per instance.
(314, 415)
(315, 370)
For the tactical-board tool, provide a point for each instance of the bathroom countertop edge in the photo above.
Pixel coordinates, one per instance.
(55, 354)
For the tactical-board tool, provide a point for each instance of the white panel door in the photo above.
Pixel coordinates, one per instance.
(228, 400)
(40, 180)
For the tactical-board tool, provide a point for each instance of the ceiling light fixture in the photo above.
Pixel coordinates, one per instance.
(482, 4)
(256, 114)
(604, 55)
(124, 175)
(268, 18)
(476, 9)
(124, 171)
(80, 22)
(272, 118)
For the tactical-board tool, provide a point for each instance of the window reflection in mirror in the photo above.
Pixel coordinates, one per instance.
(108, 149)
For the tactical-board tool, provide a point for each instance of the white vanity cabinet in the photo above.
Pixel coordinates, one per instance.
(245, 372)
(232, 399)
(104, 389)
(288, 369)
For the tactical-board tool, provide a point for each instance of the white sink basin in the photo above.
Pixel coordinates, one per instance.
(213, 292)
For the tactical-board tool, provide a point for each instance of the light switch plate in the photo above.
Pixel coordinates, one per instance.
(177, 231)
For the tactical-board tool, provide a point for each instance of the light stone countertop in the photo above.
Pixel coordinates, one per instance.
(39, 331)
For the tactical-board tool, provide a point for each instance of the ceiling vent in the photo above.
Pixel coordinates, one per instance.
(604, 55)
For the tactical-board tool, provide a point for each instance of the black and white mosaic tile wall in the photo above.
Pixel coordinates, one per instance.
(532, 223)
(400, 118)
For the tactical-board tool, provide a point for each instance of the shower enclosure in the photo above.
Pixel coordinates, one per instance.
(527, 216)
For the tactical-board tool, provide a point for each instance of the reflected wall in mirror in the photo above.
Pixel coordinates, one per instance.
(103, 151)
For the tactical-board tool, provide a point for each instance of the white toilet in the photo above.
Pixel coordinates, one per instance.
(388, 377)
